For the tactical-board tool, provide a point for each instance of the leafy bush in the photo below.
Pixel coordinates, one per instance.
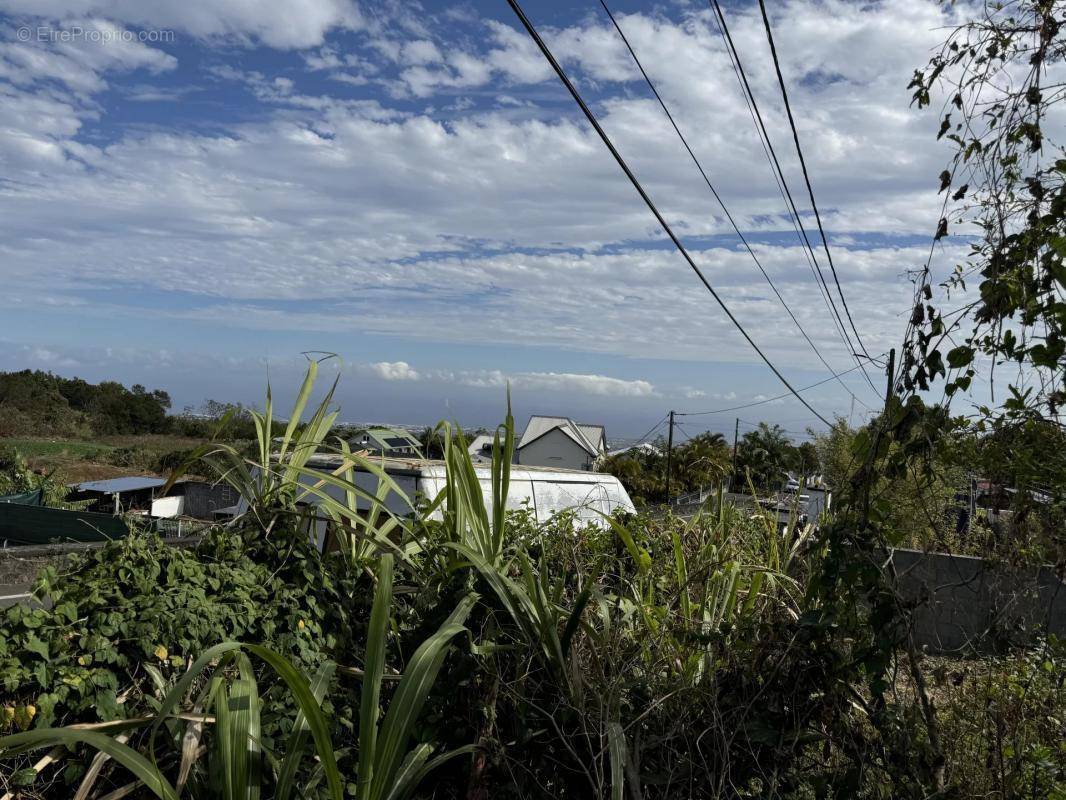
(141, 602)
(1006, 719)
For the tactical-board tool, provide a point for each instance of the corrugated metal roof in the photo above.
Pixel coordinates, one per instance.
(481, 448)
(112, 485)
(594, 434)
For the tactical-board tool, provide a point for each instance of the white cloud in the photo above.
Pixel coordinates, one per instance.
(584, 384)
(369, 209)
(278, 23)
(394, 371)
(566, 382)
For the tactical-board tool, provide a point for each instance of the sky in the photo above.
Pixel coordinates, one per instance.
(194, 194)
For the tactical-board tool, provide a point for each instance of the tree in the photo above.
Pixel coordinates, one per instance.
(40, 403)
(998, 79)
(1007, 183)
(765, 454)
(702, 461)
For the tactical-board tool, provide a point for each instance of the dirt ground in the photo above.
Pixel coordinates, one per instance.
(75, 461)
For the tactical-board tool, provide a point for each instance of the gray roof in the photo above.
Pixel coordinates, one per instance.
(596, 434)
(587, 437)
(387, 438)
(112, 485)
(477, 448)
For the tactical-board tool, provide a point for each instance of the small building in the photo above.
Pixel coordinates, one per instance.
(560, 442)
(640, 449)
(802, 507)
(388, 442)
(118, 495)
(196, 499)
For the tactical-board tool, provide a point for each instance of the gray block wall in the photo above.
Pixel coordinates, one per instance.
(961, 603)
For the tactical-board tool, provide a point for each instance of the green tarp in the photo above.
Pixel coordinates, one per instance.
(37, 525)
(33, 498)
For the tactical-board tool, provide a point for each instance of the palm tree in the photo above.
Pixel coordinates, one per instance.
(764, 453)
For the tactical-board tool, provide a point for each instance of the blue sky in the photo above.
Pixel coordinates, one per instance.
(192, 194)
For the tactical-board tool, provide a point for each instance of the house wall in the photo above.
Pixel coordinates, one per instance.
(554, 449)
(203, 499)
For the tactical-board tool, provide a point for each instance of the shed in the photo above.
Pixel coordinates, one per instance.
(118, 495)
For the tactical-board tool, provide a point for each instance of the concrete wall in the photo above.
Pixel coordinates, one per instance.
(554, 449)
(963, 603)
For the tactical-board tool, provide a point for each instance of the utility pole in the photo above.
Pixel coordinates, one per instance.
(889, 393)
(736, 437)
(669, 456)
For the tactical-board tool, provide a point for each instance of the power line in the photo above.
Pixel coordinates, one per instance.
(779, 176)
(718, 197)
(767, 400)
(654, 428)
(803, 165)
(647, 200)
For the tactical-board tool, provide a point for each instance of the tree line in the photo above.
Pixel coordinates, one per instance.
(36, 403)
(765, 456)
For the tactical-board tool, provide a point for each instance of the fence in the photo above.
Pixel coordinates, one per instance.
(962, 603)
(35, 525)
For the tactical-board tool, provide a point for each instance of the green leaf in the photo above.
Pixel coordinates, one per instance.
(374, 669)
(960, 357)
(411, 695)
(35, 645)
(300, 728)
(616, 744)
(123, 754)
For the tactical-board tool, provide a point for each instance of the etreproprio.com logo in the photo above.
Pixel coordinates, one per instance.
(77, 33)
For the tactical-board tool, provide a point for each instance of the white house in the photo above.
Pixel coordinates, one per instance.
(561, 443)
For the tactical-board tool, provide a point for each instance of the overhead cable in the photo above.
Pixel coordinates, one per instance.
(806, 176)
(648, 201)
(718, 197)
(779, 175)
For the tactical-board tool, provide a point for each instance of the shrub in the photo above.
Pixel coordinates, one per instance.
(141, 602)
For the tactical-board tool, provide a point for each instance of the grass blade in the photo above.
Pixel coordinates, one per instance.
(374, 668)
(122, 754)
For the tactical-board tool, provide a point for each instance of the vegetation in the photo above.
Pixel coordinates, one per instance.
(702, 461)
(705, 461)
(461, 650)
(39, 403)
(17, 478)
